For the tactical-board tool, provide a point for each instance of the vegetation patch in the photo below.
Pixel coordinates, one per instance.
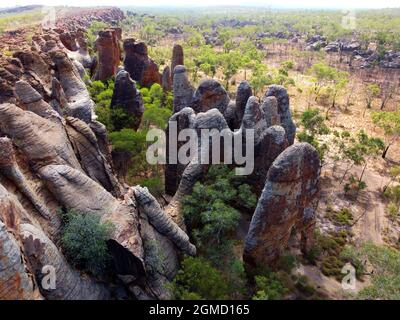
(84, 241)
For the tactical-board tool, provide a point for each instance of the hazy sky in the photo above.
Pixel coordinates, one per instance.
(272, 3)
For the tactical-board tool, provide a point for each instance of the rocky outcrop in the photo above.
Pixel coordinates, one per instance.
(271, 111)
(42, 141)
(210, 94)
(10, 168)
(161, 221)
(183, 90)
(243, 93)
(68, 39)
(166, 79)
(137, 62)
(177, 56)
(78, 98)
(15, 282)
(280, 93)
(128, 98)
(109, 54)
(288, 201)
(93, 161)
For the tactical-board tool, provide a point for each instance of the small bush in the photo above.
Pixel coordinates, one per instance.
(344, 217)
(332, 266)
(287, 262)
(269, 287)
(199, 280)
(84, 241)
(392, 211)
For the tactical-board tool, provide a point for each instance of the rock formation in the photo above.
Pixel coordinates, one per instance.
(183, 90)
(280, 93)
(166, 79)
(137, 62)
(55, 156)
(210, 94)
(128, 98)
(109, 54)
(288, 201)
(177, 56)
(78, 98)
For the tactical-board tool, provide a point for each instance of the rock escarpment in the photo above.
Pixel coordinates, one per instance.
(55, 156)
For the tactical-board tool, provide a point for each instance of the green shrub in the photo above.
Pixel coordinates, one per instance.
(332, 266)
(199, 280)
(385, 280)
(287, 262)
(84, 241)
(210, 210)
(392, 211)
(344, 217)
(269, 287)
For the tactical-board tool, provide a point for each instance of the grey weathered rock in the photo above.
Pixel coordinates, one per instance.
(162, 222)
(59, 101)
(270, 111)
(210, 94)
(243, 93)
(271, 143)
(288, 201)
(42, 141)
(34, 102)
(9, 167)
(15, 282)
(79, 102)
(127, 97)
(26, 93)
(183, 90)
(92, 160)
(78, 192)
(280, 93)
(37, 70)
